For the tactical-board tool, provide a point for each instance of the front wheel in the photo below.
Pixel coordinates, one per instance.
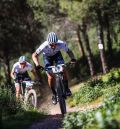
(61, 96)
(31, 99)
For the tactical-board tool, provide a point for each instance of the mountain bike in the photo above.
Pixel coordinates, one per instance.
(28, 94)
(57, 70)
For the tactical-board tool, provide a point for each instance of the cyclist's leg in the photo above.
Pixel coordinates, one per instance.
(48, 61)
(17, 87)
(51, 85)
(59, 60)
(51, 82)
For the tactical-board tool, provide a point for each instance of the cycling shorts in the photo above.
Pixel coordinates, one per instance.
(53, 60)
(23, 77)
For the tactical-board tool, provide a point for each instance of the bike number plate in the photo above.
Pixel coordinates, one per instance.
(57, 69)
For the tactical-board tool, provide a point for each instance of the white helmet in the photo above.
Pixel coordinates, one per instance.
(22, 59)
(52, 38)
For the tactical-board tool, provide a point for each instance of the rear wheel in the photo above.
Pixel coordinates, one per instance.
(31, 99)
(61, 96)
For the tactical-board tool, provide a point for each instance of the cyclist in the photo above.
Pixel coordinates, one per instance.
(51, 55)
(20, 71)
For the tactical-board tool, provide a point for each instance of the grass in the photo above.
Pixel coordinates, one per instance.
(21, 120)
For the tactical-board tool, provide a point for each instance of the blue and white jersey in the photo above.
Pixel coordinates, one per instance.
(48, 51)
(17, 68)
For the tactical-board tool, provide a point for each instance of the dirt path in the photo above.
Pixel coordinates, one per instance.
(54, 119)
(51, 122)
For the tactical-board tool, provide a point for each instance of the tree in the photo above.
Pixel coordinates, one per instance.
(74, 12)
(92, 11)
(80, 41)
(17, 31)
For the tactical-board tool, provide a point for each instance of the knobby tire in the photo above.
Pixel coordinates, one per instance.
(33, 94)
(61, 96)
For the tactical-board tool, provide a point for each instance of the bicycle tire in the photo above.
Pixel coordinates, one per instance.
(61, 97)
(34, 98)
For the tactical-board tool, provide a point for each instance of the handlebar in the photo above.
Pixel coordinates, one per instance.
(57, 68)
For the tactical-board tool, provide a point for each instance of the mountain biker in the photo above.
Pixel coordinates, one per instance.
(51, 54)
(20, 71)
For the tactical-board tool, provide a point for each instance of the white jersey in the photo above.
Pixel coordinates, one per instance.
(17, 68)
(47, 50)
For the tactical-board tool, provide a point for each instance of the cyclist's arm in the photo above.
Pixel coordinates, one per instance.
(35, 55)
(70, 53)
(12, 74)
(35, 58)
(67, 50)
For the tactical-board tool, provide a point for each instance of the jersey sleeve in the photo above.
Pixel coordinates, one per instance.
(39, 50)
(30, 67)
(41, 47)
(14, 68)
(65, 47)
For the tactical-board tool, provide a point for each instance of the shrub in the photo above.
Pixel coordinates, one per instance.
(105, 117)
(8, 103)
(87, 93)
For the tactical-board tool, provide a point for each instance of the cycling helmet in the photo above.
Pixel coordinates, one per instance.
(52, 38)
(22, 59)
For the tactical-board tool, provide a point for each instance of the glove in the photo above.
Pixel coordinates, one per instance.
(39, 68)
(15, 80)
(73, 61)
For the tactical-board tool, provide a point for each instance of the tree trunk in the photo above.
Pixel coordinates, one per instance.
(7, 69)
(109, 41)
(101, 42)
(80, 44)
(88, 50)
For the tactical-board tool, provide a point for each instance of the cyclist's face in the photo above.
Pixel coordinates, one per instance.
(23, 64)
(53, 45)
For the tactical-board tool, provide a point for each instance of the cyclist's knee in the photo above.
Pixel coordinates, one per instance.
(17, 90)
(50, 76)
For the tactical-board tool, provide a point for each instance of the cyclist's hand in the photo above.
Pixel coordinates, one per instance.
(39, 67)
(15, 80)
(73, 61)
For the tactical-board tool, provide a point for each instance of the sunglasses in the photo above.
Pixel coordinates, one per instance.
(23, 63)
(53, 44)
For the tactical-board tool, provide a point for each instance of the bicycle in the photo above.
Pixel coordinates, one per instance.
(59, 85)
(28, 94)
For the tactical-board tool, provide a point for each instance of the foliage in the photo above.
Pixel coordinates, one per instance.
(21, 120)
(8, 103)
(14, 111)
(106, 85)
(104, 117)
(16, 27)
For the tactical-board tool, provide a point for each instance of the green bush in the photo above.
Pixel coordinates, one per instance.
(112, 77)
(8, 103)
(105, 117)
(106, 85)
(87, 93)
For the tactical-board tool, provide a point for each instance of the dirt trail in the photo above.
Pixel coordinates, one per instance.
(54, 119)
(45, 103)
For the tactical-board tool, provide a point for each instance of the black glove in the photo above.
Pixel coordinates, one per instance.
(39, 68)
(73, 61)
(15, 80)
